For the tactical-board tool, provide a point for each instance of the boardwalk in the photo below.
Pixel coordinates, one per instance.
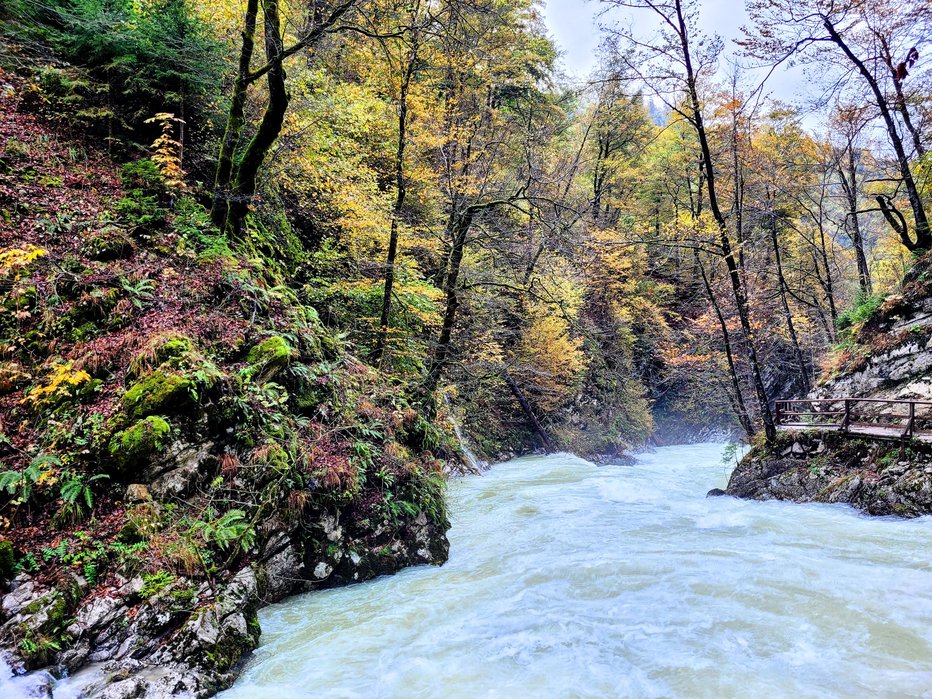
(876, 418)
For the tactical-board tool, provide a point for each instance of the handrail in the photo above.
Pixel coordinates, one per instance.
(791, 412)
(858, 400)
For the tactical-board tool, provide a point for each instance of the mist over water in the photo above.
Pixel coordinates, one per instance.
(571, 580)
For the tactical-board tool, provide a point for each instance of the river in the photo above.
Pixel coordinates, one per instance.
(571, 580)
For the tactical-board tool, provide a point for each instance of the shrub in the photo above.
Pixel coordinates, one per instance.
(156, 56)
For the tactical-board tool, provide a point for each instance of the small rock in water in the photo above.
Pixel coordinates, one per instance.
(715, 492)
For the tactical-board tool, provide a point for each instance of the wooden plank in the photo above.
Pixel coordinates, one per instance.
(810, 425)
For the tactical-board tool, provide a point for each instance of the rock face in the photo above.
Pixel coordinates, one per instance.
(876, 477)
(187, 639)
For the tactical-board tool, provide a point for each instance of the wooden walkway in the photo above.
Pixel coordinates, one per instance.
(876, 418)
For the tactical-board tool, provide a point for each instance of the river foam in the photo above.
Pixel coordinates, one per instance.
(571, 580)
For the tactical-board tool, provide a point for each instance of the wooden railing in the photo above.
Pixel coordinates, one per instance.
(879, 418)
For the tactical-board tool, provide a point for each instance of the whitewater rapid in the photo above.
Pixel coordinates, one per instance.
(570, 580)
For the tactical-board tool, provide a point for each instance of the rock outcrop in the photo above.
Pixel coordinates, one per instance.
(187, 638)
(880, 478)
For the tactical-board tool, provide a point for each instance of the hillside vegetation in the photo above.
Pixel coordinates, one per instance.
(261, 263)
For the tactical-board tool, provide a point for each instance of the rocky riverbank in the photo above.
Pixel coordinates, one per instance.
(879, 478)
(181, 637)
(885, 352)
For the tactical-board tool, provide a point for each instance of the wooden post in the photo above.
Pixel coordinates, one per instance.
(847, 418)
(778, 411)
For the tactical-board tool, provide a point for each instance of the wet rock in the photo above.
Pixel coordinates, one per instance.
(715, 492)
(282, 567)
(180, 470)
(839, 469)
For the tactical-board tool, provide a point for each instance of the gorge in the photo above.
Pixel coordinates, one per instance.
(280, 278)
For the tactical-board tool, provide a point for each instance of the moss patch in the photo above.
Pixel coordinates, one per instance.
(158, 393)
(136, 444)
(270, 356)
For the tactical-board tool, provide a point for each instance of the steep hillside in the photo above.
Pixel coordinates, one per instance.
(181, 440)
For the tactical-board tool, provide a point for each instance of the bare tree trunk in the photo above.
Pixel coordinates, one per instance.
(770, 430)
(528, 412)
(849, 183)
(923, 236)
(741, 408)
(901, 105)
(400, 192)
(787, 312)
(738, 178)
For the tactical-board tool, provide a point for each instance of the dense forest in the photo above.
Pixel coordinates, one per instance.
(267, 262)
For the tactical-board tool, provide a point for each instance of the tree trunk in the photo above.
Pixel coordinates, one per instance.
(770, 430)
(459, 229)
(787, 312)
(528, 413)
(235, 121)
(901, 105)
(399, 201)
(849, 184)
(741, 407)
(923, 236)
(247, 170)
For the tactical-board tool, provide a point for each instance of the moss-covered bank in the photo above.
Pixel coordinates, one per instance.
(182, 440)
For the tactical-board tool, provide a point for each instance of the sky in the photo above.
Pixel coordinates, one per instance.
(574, 26)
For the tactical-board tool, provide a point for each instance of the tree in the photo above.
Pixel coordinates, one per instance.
(672, 66)
(416, 26)
(859, 36)
(848, 124)
(236, 177)
(492, 104)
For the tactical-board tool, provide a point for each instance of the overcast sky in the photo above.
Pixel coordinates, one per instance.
(575, 26)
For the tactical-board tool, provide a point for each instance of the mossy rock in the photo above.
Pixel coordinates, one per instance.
(314, 392)
(158, 392)
(173, 348)
(270, 356)
(138, 443)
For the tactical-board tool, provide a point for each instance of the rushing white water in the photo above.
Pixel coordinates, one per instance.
(570, 580)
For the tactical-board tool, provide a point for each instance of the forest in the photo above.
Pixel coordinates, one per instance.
(265, 262)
